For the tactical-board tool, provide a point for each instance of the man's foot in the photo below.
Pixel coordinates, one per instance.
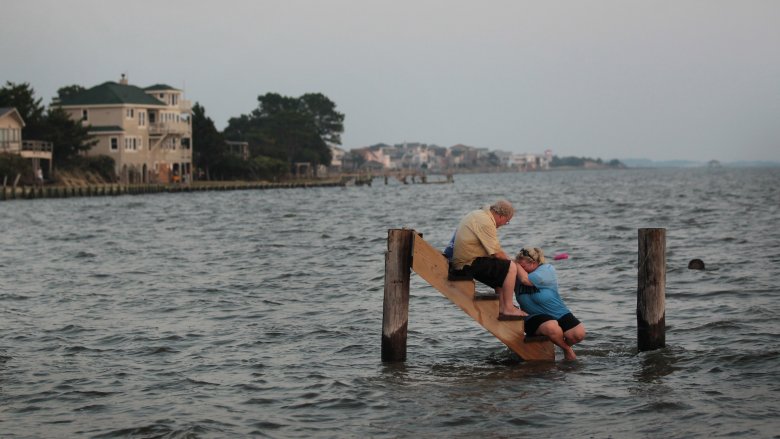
(507, 317)
(514, 314)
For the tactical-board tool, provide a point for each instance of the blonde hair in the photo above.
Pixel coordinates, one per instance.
(534, 254)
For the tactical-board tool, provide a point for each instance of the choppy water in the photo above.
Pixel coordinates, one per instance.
(259, 313)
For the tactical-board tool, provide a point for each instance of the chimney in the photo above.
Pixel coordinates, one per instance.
(123, 79)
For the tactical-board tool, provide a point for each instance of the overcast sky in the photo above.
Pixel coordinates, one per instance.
(621, 79)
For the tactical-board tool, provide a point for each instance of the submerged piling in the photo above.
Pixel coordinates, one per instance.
(395, 315)
(651, 292)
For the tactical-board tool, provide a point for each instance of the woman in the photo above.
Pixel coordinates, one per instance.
(537, 293)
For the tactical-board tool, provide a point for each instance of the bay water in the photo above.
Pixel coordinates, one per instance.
(259, 313)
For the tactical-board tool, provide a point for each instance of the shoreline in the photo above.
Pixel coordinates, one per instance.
(9, 193)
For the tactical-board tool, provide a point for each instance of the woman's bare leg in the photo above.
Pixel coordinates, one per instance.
(553, 331)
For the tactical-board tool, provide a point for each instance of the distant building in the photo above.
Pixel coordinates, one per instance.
(531, 162)
(11, 142)
(337, 157)
(504, 158)
(148, 132)
(238, 148)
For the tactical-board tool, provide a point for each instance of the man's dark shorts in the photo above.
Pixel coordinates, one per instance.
(566, 322)
(489, 271)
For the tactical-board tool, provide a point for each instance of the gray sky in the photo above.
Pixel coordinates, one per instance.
(663, 80)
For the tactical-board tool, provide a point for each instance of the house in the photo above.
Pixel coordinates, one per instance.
(11, 142)
(238, 148)
(11, 125)
(147, 131)
(337, 157)
(531, 162)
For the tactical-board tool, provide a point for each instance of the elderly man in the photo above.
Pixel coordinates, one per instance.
(478, 253)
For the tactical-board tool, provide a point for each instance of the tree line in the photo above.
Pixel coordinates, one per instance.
(280, 132)
(577, 162)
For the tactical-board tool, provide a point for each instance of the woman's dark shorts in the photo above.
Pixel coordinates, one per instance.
(566, 322)
(489, 271)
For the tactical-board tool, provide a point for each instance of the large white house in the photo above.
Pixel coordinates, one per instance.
(147, 131)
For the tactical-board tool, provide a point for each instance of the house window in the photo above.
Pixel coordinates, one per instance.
(114, 144)
(141, 118)
(131, 143)
(130, 113)
(84, 114)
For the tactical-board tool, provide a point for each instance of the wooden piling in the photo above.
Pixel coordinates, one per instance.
(395, 316)
(650, 301)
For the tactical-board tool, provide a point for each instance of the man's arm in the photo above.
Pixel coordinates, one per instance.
(500, 255)
(522, 275)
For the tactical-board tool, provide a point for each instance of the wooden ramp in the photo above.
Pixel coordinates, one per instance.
(432, 266)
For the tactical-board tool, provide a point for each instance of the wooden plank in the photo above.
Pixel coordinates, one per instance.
(432, 266)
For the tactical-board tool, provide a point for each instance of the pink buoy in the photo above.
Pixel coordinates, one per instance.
(560, 256)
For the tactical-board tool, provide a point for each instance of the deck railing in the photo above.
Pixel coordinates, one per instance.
(37, 145)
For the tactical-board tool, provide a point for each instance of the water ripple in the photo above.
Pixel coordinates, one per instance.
(259, 313)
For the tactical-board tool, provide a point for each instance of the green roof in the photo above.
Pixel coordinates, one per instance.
(160, 87)
(104, 128)
(111, 93)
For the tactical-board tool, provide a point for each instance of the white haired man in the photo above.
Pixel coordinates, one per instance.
(478, 253)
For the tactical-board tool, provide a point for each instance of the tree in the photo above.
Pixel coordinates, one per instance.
(69, 137)
(291, 129)
(22, 97)
(329, 122)
(12, 165)
(209, 144)
(69, 90)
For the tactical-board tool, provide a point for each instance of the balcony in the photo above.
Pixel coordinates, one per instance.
(30, 149)
(185, 105)
(165, 128)
(37, 149)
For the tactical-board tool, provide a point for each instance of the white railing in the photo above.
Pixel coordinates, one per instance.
(185, 105)
(169, 128)
(37, 146)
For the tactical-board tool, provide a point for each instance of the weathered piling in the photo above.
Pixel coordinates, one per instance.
(395, 316)
(650, 301)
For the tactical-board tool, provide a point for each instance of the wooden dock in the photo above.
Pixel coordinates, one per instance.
(431, 265)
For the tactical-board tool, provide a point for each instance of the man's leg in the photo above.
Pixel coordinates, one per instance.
(506, 292)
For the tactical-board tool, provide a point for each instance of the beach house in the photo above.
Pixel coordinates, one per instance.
(11, 142)
(147, 131)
